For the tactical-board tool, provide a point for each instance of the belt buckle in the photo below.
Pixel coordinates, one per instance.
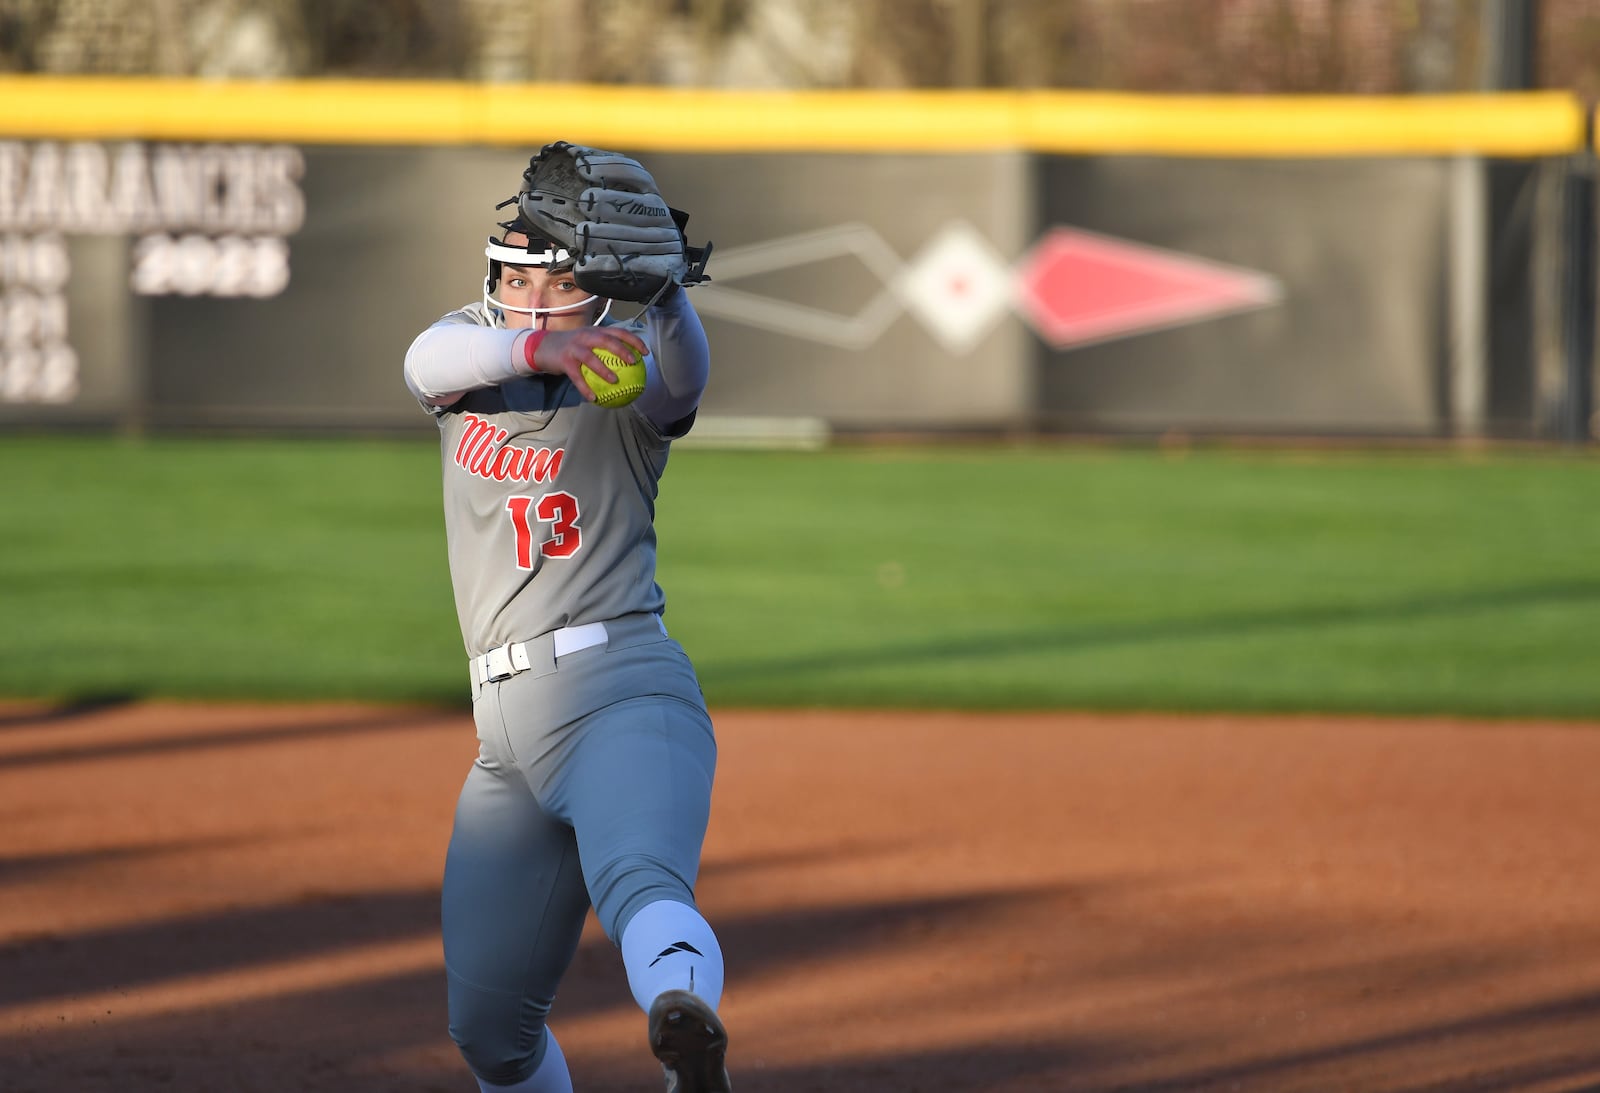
(497, 665)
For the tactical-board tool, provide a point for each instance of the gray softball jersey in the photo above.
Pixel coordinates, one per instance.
(549, 505)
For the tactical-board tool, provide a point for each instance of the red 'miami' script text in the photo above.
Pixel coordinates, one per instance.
(483, 452)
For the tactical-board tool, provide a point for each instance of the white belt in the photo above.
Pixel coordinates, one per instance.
(540, 653)
(511, 658)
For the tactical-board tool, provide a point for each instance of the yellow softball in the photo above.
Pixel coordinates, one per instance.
(630, 380)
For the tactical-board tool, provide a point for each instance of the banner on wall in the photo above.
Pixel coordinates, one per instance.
(184, 220)
(393, 238)
(270, 286)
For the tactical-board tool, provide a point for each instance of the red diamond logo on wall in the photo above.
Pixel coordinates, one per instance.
(1077, 287)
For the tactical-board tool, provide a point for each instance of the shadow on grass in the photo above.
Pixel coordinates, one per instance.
(1067, 636)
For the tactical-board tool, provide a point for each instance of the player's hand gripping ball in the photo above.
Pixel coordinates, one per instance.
(630, 379)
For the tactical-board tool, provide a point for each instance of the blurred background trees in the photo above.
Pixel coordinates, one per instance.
(1137, 45)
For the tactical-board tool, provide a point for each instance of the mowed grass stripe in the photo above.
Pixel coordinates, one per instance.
(1042, 577)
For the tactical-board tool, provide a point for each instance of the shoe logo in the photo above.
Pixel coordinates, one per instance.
(675, 947)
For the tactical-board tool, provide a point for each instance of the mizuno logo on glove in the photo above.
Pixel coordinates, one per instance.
(638, 208)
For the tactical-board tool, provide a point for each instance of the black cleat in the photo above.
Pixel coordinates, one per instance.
(688, 1038)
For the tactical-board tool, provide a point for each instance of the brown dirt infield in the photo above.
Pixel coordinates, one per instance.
(227, 898)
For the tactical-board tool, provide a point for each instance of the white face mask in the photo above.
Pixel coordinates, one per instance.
(504, 254)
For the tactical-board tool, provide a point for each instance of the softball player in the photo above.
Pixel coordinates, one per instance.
(592, 784)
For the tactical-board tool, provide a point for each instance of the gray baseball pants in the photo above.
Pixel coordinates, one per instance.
(592, 785)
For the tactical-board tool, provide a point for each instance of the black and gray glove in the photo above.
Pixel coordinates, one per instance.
(627, 243)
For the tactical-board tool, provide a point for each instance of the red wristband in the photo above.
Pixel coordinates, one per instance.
(530, 346)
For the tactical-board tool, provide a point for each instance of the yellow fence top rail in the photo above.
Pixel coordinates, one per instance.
(1520, 124)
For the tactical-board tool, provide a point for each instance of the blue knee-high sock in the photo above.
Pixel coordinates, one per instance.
(668, 946)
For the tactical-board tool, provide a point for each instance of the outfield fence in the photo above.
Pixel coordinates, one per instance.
(190, 254)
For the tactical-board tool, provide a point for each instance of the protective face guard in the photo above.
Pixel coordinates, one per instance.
(501, 253)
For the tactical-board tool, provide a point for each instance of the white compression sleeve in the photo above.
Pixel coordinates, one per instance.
(449, 359)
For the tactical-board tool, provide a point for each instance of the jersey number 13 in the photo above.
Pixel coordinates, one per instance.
(560, 511)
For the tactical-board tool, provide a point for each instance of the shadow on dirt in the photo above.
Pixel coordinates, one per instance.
(154, 743)
(387, 1032)
(1164, 978)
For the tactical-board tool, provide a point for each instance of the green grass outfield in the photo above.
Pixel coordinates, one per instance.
(1411, 582)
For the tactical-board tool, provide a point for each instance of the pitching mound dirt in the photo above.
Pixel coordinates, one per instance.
(227, 898)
